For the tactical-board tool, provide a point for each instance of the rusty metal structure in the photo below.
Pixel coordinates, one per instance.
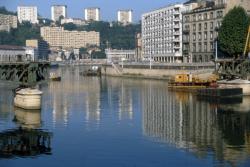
(24, 73)
(236, 67)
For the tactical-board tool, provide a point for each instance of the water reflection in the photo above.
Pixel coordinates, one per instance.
(30, 119)
(24, 142)
(198, 126)
(75, 92)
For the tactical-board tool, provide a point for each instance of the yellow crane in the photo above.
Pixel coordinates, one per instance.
(247, 45)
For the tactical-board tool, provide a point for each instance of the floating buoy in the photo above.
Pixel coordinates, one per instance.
(28, 98)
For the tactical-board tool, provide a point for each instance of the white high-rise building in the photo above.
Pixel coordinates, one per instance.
(92, 14)
(57, 11)
(27, 13)
(162, 34)
(124, 16)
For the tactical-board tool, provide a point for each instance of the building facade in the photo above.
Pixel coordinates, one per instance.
(41, 46)
(58, 37)
(76, 21)
(27, 13)
(125, 16)
(92, 14)
(114, 55)
(12, 53)
(200, 28)
(7, 22)
(162, 34)
(57, 11)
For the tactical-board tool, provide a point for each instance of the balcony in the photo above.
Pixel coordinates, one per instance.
(176, 32)
(177, 46)
(176, 39)
(185, 40)
(185, 52)
(177, 54)
(176, 26)
(186, 31)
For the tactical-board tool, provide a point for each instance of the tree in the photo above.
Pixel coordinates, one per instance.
(233, 31)
(3, 10)
(69, 26)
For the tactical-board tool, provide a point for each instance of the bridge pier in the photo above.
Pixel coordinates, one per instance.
(28, 98)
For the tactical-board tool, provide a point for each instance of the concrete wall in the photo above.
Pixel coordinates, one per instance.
(151, 73)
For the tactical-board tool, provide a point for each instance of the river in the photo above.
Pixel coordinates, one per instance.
(122, 122)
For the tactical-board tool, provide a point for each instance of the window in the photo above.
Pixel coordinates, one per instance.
(211, 15)
(205, 26)
(194, 17)
(199, 17)
(211, 35)
(200, 27)
(205, 16)
(205, 46)
(211, 25)
(199, 36)
(205, 35)
(211, 46)
(194, 47)
(194, 36)
(199, 47)
(194, 27)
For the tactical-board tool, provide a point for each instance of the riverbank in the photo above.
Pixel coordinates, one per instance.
(162, 72)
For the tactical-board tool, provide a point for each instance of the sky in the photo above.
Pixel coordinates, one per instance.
(108, 8)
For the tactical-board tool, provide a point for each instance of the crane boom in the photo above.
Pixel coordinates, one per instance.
(247, 45)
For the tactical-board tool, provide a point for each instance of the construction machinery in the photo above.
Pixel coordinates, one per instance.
(187, 80)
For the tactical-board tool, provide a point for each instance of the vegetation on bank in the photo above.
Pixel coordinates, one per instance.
(18, 36)
(233, 32)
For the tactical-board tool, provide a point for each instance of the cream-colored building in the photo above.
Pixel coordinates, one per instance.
(58, 37)
(124, 16)
(232, 3)
(7, 22)
(41, 46)
(92, 14)
(76, 21)
(57, 11)
(27, 13)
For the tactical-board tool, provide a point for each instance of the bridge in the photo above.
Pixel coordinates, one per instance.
(24, 73)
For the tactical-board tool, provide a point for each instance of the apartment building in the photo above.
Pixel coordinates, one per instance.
(27, 13)
(125, 16)
(200, 28)
(162, 34)
(7, 22)
(41, 46)
(57, 37)
(57, 11)
(92, 14)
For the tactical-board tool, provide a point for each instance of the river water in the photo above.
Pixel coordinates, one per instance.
(108, 121)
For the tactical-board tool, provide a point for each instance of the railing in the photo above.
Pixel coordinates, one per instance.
(117, 68)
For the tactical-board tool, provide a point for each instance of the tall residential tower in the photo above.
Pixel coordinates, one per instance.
(124, 16)
(92, 14)
(57, 11)
(27, 13)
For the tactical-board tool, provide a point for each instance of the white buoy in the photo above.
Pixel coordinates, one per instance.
(29, 99)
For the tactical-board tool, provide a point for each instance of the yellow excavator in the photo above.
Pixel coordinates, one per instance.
(247, 45)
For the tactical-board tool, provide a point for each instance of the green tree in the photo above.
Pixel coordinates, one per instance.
(70, 26)
(233, 31)
(3, 10)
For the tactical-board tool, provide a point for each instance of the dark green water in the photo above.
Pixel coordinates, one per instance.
(92, 121)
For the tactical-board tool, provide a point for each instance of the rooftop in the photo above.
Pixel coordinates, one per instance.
(11, 47)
